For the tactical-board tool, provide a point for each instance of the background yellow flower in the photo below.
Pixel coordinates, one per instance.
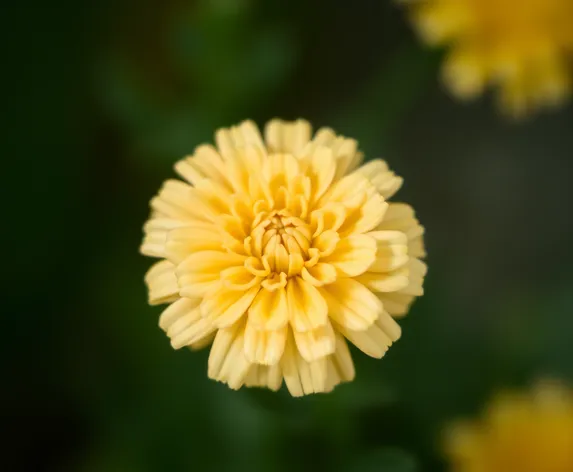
(279, 251)
(522, 47)
(525, 432)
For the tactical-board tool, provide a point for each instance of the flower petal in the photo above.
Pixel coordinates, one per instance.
(385, 282)
(385, 181)
(317, 343)
(224, 307)
(239, 278)
(376, 340)
(246, 134)
(156, 231)
(342, 360)
(364, 217)
(184, 325)
(321, 167)
(162, 283)
(270, 376)
(182, 242)
(287, 136)
(391, 251)
(329, 217)
(351, 304)
(178, 200)
(417, 271)
(302, 377)
(353, 255)
(206, 163)
(264, 346)
(401, 217)
(343, 149)
(340, 367)
(201, 270)
(396, 303)
(269, 310)
(227, 361)
(326, 242)
(319, 274)
(307, 308)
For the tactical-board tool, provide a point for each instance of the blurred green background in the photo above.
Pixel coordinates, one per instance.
(102, 97)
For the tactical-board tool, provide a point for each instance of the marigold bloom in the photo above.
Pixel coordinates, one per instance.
(524, 47)
(530, 432)
(279, 250)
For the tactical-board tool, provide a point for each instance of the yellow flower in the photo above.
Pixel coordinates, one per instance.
(524, 47)
(519, 433)
(279, 250)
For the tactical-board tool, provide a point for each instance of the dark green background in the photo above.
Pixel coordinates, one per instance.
(100, 98)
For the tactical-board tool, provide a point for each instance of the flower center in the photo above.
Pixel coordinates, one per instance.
(281, 239)
(283, 233)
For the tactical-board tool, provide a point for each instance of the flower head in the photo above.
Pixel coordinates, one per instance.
(279, 251)
(527, 432)
(524, 47)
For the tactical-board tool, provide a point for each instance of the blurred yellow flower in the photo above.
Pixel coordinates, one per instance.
(529, 432)
(523, 47)
(279, 250)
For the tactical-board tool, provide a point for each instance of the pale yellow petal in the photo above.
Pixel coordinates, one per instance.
(385, 181)
(376, 340)
(317, 343)
(204, 342)
(206, 163)
(343, 149)
(156, 231)
(201, 270)
(162, 283)
(246, 134)
(307, 308)
(227, 361)
(269, 310)
(340, 367)
(396, 303)
(353, 255)
(216, 200)
(181, 242)
(302, 377)
(243, 171)
(177, 310)
(352, 191)
(178, 200)
(351, 304)
(287, 136)
(183, 323)
(319, 274)
(270, 377)
(279, 172)
(326, 242)
(224, 307)
(264, 346)
(401, 217)
(386, 282)
(320, 168)
(239, 278)
(391, 251)
(342, 360)
(365, 217)
(417, 271)
(416, 247)
(329, 217)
